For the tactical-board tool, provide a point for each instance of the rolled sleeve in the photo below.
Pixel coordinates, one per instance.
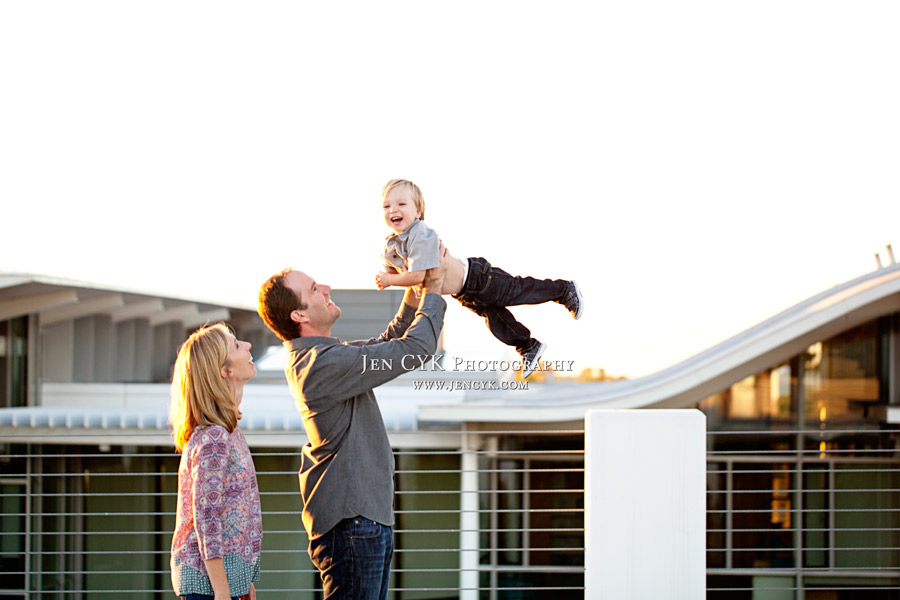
(208, 469)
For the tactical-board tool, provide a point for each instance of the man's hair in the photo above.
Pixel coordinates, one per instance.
(276, 303)
(417, 196)
(200, 395)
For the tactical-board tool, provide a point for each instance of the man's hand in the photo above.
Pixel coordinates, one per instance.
(434, 278)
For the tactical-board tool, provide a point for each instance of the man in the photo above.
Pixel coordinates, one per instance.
(347, 468)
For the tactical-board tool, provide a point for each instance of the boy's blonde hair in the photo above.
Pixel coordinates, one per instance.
(200, 395)
(417, 196)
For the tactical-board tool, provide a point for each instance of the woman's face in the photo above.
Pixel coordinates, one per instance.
(239, 367)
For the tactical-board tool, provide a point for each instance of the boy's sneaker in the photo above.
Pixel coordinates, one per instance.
(573, 300)
(531, 359)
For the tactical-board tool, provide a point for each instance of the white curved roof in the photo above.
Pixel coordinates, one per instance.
(713, 370)
(58, 299)
(136, 413)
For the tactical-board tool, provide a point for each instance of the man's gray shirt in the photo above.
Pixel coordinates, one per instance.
(347, 468)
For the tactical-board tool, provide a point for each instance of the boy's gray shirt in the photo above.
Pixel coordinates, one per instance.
(347, 468)
(416, 249)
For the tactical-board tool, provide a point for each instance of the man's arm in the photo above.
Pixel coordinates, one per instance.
(434, 278)
(342, 371)
(412, 298)
(401, 322)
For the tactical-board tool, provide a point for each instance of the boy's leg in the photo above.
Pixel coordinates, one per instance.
(485, 289)
(513, 290)
(503, 325)
(507, 328)
(509, 290)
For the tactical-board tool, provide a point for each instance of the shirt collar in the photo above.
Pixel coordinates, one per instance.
(302, 343)
(405, 233)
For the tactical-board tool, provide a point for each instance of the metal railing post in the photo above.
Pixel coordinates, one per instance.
(468, 519)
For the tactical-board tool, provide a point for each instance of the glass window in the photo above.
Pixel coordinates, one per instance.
(841, 380)
(12, 540)
(758, 401)
(13, 362)
(510, 512)
(716, 509)
(533, 517)
(557, 519)
(4, 364)
(866, 519)
(762, 533)
(427, 501)
(854, 507)
(816, 515)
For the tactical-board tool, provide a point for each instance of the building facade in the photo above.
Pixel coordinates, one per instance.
(802, 486)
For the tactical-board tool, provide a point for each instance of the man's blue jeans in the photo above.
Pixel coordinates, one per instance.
(354, 560)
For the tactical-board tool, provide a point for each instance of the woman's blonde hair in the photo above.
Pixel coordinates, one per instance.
(200, 395)
(418, 197)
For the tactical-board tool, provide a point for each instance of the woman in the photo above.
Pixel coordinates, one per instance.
(218, 526)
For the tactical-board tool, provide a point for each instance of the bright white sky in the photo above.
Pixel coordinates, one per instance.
(698, 165)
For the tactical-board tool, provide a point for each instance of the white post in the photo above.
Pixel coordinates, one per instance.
(645, 504)
(468, 519)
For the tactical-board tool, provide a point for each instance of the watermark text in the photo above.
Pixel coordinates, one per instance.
(434, 362)
(450, 386)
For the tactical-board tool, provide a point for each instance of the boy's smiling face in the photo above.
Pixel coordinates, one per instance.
(399, 209)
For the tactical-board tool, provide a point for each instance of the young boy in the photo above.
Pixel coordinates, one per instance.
(483, 289)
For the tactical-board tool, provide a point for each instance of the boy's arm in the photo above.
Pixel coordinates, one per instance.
(424, 253)
(410, 278)
(410, 304)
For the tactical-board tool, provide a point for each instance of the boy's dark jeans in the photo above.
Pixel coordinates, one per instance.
(488, 290)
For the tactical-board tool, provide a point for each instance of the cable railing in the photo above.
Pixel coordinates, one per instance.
(88, 521)
(791, 515)
(85, 522)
